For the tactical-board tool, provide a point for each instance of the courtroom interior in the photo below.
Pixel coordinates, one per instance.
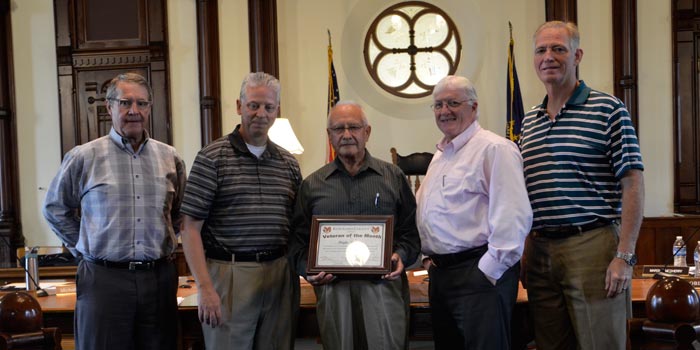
(56, 57)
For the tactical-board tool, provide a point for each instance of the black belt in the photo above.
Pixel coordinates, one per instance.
(559, 232)
(447, 260)
(129, 265)
(256, 255)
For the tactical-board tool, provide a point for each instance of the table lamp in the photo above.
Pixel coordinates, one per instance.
(282, 134)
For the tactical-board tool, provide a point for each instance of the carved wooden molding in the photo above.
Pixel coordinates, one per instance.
(100, 60)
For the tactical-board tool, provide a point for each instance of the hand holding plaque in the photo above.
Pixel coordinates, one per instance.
(351, 245)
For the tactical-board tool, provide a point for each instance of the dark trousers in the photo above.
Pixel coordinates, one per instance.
(122, 309)
(468, 312)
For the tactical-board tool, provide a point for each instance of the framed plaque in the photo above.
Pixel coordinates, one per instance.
(351, 245)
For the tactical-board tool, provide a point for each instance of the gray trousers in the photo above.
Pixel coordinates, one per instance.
(360, 314)
(121, 309)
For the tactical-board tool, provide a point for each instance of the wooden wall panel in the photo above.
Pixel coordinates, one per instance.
(656, 237)
(209, 70)
(89, 54)
(10, 227)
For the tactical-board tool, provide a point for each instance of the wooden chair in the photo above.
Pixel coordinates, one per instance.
(413, 165)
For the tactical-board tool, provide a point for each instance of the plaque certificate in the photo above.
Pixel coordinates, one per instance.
(351, 245)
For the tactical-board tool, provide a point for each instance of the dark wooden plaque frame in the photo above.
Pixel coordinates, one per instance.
(387, 220)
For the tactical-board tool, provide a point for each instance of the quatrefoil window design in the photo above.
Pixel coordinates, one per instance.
(411, 46)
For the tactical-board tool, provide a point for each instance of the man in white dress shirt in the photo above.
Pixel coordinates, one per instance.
(473, 216)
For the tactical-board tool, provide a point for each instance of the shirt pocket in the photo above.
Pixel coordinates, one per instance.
(460, 189)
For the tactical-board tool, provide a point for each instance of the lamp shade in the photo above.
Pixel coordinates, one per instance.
(282, 134)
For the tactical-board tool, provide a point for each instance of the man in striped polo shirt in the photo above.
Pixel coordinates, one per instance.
(237, 210)
(583, 171)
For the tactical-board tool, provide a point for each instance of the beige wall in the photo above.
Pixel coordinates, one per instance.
(407, 125)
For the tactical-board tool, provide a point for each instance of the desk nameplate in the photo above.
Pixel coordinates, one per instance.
(651, 270)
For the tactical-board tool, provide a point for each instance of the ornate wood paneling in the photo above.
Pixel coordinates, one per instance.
(686, 93)
(209, 69)
(10, 228)
(98, 39)
(624, 14)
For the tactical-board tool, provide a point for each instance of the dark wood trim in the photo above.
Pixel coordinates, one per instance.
(561, 10)
(209, 70)
(262, 25)
(10, 228)
(624, 14)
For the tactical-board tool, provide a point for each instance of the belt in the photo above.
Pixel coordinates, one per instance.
(560, 232)
(256, 255)
(128, 265)
(447, 260)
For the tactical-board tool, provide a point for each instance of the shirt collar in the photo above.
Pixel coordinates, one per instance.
(240, 147)
(458, 142)
(124, 144)
(370, 164)
(579, 96)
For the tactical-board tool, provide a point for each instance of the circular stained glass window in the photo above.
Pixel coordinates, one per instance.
(411, 46)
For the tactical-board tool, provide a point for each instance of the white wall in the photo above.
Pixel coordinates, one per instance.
(36, 97)
(407, 125)
(655, 62)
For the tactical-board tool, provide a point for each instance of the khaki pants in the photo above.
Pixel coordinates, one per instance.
(358, 314)
(257, 301)
(566, 292)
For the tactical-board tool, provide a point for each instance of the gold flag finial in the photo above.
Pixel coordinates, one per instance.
(510, 25)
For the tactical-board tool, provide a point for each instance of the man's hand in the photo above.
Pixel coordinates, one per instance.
(427, 263)
(398, 268)
(320, 279)
(618, 277)
(209, 306)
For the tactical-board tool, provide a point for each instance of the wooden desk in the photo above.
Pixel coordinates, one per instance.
(58, 312)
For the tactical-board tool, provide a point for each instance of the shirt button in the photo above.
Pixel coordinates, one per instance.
(138, 197)
(137, 176)
(138, 220)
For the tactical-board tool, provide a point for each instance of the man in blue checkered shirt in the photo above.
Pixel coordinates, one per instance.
(115, 203)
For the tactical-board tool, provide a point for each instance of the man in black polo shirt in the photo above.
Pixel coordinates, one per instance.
(237, 208)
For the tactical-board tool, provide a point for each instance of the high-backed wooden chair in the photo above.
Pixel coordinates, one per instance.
(413, 165)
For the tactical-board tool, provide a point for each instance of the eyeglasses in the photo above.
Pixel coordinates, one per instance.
(353, 128)
(254, 106)
(451, 104)
(127, 103)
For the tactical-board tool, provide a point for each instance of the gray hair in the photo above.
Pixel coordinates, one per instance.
(133, 78)
(365, 122)
(257, 79)
(570, 27)
(460, 83)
